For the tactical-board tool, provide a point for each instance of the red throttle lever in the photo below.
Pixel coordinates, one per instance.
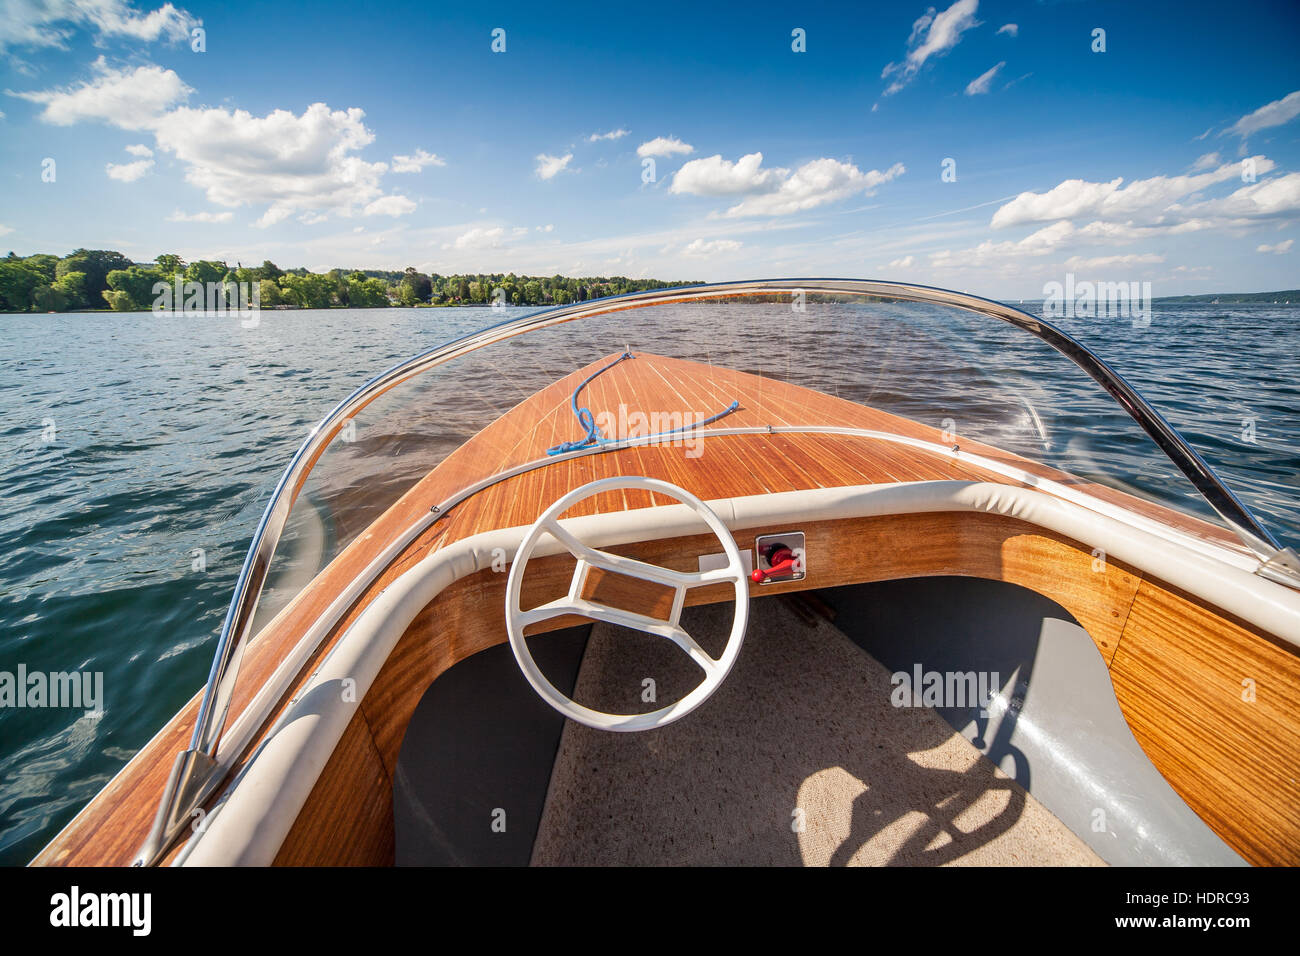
(782, 562)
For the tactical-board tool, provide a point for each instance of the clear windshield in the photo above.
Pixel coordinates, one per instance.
(966, 379)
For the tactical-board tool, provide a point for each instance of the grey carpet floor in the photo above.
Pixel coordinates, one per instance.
(798, 759)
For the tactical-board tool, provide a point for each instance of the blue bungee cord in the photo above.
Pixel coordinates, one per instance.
(588, 421)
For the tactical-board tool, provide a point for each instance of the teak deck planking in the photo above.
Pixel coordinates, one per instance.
(110, 829)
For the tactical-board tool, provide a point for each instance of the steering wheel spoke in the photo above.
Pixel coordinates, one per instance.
(618, 564)
(715, 669)
(727, 575)
(546, 612)
(697, 653)
(629, 619)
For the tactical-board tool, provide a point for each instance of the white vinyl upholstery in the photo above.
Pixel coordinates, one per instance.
(250, 823)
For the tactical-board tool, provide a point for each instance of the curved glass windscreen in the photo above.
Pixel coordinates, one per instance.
(924, 371)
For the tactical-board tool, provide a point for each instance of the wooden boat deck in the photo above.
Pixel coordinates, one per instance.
(726, 466)
(111, 828)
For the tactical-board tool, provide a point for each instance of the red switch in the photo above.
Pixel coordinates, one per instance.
(782, 561)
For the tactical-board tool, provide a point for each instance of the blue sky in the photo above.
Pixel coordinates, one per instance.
(328, 134)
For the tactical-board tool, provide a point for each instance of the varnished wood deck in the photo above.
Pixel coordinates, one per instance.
(111, 828)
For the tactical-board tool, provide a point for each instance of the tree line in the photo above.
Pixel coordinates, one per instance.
(95, 279)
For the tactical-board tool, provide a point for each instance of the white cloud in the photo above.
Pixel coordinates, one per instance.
(777, 191)
(130, 99)
(1271, 114)
(550, 166)
(1151, 200)
(769, 246)
(1039, 243)
(903, 263)
(393, 205)
(478, 238)
(612, 134)
(416, 163)
(1010, 29)
(1056, 237)
(716, 176)
(932, 35)
(1268, 199)
(814, 184)
(1117, 233)
(179, 216)
(666, 146)
(1079, 263)
(5, 230)
(1249, 205)
(1277, 248)
(303, 165)
(294, 163)
(981, 83)
(128, 172)
(710, 247)
(1208, 161)
(49, 23)
(546, 228)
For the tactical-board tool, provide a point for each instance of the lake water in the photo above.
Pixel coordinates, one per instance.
(132, 442)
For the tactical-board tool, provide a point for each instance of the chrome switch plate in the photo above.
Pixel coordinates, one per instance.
(765, 544)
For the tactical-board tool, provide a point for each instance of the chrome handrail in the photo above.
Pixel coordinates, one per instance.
(196, 771)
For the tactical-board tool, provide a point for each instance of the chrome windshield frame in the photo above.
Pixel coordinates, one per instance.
(192, 776)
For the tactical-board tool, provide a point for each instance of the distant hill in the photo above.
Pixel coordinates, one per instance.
(1236, 298)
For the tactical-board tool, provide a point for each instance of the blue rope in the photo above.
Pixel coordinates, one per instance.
(588, 421)
(585, 418)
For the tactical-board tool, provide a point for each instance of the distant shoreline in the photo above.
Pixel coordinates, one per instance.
(1236, 298)
(233, 310)
(1285, 297)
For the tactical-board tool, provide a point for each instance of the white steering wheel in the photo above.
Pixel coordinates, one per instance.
(715, 671)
